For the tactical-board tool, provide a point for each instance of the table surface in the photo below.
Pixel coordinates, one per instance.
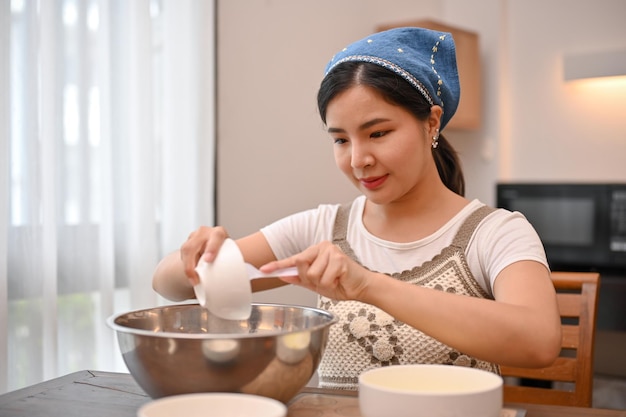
(95, 394)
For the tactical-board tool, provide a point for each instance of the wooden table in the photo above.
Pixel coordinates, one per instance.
(108, 394)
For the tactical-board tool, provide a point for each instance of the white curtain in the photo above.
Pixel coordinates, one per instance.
(106, 164)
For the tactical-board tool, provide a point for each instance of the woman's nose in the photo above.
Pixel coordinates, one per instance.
(361, 156)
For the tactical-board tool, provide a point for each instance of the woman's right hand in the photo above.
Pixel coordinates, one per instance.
(205, 243)
(175, 275)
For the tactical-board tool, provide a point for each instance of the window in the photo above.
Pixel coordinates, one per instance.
(111, 102)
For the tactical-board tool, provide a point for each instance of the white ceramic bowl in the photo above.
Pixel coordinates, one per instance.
(224, 286)
(429, 390)
(213, 404)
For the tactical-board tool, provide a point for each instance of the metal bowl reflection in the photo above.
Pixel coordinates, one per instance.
(184, 349)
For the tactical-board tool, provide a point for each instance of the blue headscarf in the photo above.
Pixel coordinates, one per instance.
(425, 58)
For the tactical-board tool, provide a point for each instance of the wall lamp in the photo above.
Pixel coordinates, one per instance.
(594, 65)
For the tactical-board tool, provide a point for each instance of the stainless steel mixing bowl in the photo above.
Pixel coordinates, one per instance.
(185, 349)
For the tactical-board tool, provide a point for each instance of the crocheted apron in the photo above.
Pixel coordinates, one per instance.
(366, 337)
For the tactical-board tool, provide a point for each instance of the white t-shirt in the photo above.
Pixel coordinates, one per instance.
(501, 239)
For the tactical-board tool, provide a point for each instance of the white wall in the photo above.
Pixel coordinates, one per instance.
(273, 154)
(274, 158)
(479, 151)
(560, 131)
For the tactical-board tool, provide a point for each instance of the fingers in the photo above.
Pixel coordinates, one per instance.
(215, 240)
(204, 242)
(324, 270)
(270, 267)
(320, 268)
(284, 263)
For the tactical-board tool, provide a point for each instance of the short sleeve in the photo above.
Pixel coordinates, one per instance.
(503, 238)
(293, 234)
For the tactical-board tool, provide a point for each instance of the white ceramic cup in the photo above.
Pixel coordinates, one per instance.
(429, 390)
(224, 287)
(213, 404)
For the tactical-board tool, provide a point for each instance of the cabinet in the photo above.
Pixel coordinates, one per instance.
(469, 113)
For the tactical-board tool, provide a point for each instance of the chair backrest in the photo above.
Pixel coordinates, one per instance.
(571, 375)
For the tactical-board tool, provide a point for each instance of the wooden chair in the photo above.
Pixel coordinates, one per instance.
(571, 375)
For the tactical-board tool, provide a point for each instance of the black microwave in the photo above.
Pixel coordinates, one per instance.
(582, 226)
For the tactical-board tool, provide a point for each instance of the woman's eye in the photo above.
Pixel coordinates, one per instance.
(379, 134)
(339, 141)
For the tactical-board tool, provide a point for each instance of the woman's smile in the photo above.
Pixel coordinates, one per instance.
(373, 182)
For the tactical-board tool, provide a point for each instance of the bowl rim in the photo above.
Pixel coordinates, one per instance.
(259, 400)
(111, 322)
(494, 385)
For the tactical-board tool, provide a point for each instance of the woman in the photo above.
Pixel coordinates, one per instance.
(415, 272)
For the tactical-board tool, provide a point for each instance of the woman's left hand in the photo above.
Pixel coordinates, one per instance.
(325, 269)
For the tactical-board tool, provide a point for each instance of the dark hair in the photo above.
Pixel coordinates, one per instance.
(397, 91)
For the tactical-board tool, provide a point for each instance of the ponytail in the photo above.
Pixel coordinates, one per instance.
(449, 166)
